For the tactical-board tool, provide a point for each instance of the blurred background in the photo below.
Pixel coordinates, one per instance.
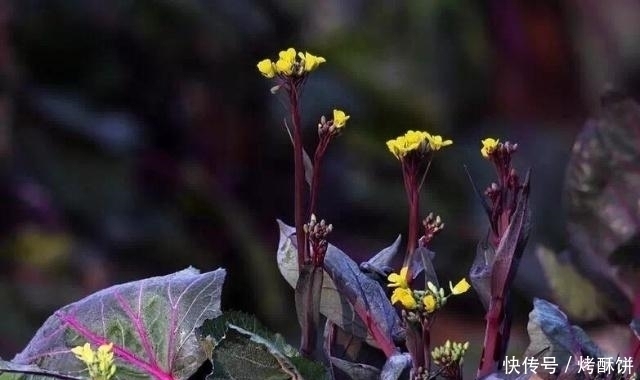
(138, 137)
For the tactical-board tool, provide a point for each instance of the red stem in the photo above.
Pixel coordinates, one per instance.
(315, 178)
(298, 176)
(492, 339)
(413, 195)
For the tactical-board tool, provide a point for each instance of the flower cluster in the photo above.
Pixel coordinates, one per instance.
(428, 300)
(489, 145)
(450, 357)
(290, 64)
(99, 363)
(416, 141)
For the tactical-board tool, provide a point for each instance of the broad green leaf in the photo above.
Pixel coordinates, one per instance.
(246, 355)
(150, 322)
(215, 332)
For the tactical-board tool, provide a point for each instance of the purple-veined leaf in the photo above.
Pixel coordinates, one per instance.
(551, 333)
(150, 322)
(601, 195)
(396, 366)
(356, 289)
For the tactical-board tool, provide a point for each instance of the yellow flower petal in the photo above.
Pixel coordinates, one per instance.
(489, 145)
(461, 287)
(405, 297)
(410, 141)
(430, 303)
(436, 142)
(311, 62)
(340, 118)
(266, 68)
(399, 280)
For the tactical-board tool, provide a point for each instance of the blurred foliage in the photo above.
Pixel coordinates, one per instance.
(137, 137)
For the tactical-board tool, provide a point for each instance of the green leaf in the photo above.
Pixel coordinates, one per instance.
(150, 322)
(246, 355)
(216, 331)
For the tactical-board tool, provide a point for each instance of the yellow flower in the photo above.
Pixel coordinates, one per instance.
(340, 118)
(410, 141)
(461, 287)
(405, 297)
(311, 62)
(399, 280)
(436, 142)
(100, 364)
(285, 62)
(84, 353)
(106, 367)
(430, 303)
(489, 145)
(267, 68)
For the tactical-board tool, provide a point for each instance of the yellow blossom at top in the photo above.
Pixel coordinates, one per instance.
(267, 68)
(430, 303)
(489, 145)
(410, 141)
(285, 62)
(340, 118)
(405, 297)
(461, 287)
(290, 63)
(311, 62)
(399, 280)
(99, 363)
(436, 142)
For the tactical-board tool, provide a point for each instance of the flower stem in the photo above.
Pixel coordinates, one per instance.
(492, 339)
(298, 177)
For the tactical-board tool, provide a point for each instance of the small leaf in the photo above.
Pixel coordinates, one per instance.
(356, 371)
(550, 332)
(397, 366)
(423, 259)
(381, 265)
(480, 272)
(151, 323)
